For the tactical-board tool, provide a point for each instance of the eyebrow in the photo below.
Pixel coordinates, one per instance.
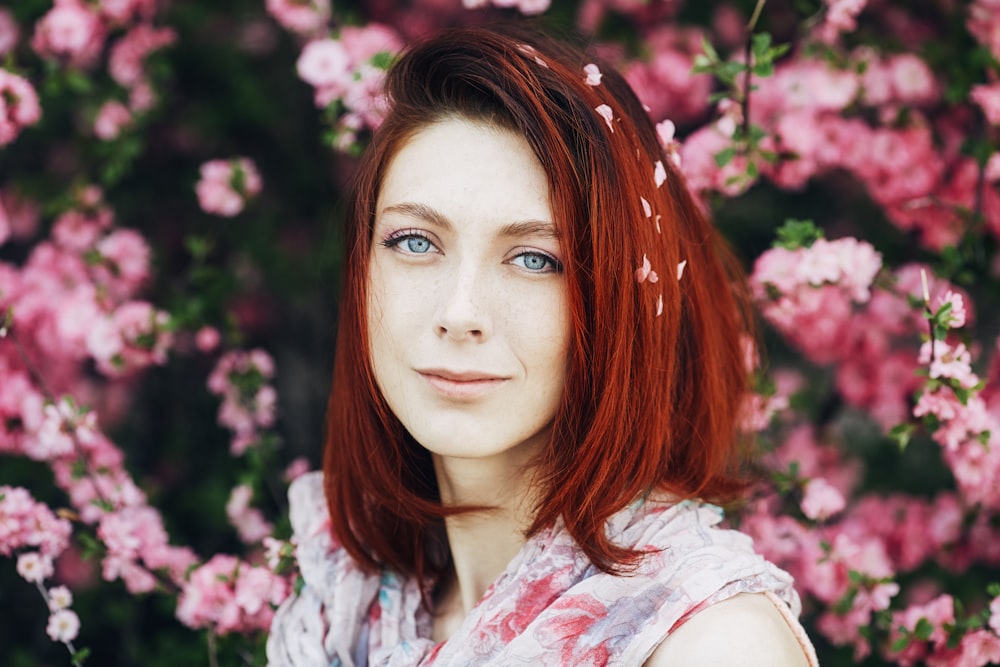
(520, 228)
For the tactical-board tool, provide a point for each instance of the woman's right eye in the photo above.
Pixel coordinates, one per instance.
(409, 243)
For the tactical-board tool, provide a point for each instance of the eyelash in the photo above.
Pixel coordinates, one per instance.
(396, 238)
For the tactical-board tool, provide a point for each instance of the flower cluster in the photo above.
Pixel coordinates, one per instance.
(248, 400)
(808, 293)
(18, 106)
(229, 595)
(227, 185)
(347, 72)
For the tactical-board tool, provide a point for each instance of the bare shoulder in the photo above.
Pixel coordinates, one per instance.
(744, 630)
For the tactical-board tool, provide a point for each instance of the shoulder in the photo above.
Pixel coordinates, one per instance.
(756, 634)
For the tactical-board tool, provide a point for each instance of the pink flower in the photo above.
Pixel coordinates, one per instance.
(995, 615)
(70, 30)
(207, 339)
(821, 500)
(9, 32)
(63, 625)
(18, 106)
(228, 595)
(988, 98)
(128, 55)
(59, 597)
(912, 80)
(324, 63)
(304, 18)
(249, 522)
(298, 467)
(34, 567)
(112, 117)
(956, 317)
(954, 362)
(122, 12)
(226, 185)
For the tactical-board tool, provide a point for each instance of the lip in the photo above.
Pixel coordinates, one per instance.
(462, 385)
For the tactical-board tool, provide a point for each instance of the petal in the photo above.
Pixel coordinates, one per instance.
(607, 114)
(680, 269)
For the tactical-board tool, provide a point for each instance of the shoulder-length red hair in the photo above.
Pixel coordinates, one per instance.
(656, 373)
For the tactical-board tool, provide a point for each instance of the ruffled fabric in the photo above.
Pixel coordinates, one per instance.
(551, 606)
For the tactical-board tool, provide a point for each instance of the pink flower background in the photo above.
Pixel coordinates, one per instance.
(171, 179)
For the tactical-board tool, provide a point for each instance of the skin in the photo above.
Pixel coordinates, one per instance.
(469, 332)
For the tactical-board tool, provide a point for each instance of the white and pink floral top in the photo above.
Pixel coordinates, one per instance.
(550, 607)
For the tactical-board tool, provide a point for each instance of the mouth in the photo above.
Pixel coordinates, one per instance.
(461, 385)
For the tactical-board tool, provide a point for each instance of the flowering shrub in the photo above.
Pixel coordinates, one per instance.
(167, 175)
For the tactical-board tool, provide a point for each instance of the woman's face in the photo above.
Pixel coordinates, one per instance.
(468, 322)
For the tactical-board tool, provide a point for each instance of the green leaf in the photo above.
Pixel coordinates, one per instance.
(901, 643)
(81, 655)
(725, 156)
(923, 630)
(901, 434)
(382, 59)
(795, 234)
(761, 43)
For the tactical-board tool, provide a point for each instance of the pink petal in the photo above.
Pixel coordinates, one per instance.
(593, 75)
(658, 224)
(643, 271)
(608, 115)
(659, 305)
(680, 269)
(659, 173)
(647, 209)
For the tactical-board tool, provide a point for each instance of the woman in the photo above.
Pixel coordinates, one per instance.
(538, 377)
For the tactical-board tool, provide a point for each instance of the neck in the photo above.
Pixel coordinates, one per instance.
(482, 543)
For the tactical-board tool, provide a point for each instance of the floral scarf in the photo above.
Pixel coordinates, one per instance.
(551, 606)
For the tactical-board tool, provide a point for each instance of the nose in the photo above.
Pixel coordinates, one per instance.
(463, 309)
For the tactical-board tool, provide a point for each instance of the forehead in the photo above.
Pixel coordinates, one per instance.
(468, 169)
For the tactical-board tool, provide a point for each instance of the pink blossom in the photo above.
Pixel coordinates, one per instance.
(912, 80)
(983, 25)
(112, 117)
(995, 615)
(59, 597)
(227, 595)
(128, 55)
(27, 523)
(63, 625)
(18, 106)
(249, 522)
(122, 12)
(947, 361)
(34, 567)
(988, 99)
(956, 316)
(821, 500)
(125, 259)
(304, 18)
(841, 16)
(298, 467)
(226, 185)
(325, 63)
(9, 32)
(70, 30)
(207, 339)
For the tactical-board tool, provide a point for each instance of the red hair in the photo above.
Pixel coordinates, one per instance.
(656, 374)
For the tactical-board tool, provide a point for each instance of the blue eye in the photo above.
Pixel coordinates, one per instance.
(537, 262)
(417, 244)
(409, 243)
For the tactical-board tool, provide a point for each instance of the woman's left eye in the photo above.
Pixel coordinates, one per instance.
(537, 262)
